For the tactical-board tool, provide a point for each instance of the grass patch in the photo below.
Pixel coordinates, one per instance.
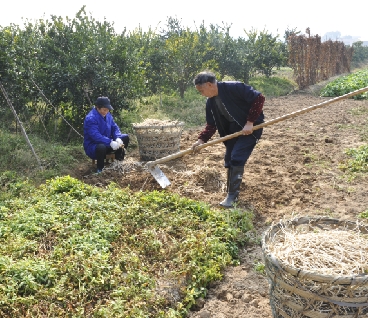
(73, 250)
(284, 72)
(56, 158)
(272, 86)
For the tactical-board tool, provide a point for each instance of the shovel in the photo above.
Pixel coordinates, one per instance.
(160, 177)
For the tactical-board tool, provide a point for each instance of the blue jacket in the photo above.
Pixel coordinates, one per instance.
(98, 131)
(237, 98)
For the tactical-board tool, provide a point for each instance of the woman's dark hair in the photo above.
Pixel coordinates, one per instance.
(204, 77)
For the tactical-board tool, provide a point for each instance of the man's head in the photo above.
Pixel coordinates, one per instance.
(103, 105)
(206, 84)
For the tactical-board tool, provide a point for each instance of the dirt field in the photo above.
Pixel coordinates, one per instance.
(293, 171)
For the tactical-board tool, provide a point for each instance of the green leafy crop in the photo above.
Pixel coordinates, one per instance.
(73, 250)
(347, 84)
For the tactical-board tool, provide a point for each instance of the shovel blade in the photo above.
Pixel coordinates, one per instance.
(159, 176)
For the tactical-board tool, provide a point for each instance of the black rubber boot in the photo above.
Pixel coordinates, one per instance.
(235, 176)
(120, 154)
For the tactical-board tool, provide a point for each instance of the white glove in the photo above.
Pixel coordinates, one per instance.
(114, 145)
(120, 142)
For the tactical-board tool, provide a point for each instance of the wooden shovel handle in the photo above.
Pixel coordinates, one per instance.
(265, 124)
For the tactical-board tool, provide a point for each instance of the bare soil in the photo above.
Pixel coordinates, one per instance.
(293, 171)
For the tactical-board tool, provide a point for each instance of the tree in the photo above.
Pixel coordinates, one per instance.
(152, 57)
(185, 56)
(66, 58)
(360, 52)
(246, 68)
(17, 48)
(220, 49)
(265, 51)
(84, 55)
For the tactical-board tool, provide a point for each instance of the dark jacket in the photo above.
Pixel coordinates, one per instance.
(97, 130)
(237, 98)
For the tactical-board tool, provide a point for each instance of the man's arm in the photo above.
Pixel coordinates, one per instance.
(204, 136)
(207, 133)
(256, 108)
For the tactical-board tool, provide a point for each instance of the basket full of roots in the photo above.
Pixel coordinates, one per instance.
(317, 267)
(158, 138)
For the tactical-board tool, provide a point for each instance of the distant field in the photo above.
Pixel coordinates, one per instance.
(286, 72)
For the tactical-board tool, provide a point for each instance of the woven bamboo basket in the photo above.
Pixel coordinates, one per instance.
(157, 141)
(297, 293)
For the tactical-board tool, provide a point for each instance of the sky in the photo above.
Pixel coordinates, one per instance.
(274, 16)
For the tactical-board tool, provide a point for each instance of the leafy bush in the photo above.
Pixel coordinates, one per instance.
(347, 84)
(71, 249)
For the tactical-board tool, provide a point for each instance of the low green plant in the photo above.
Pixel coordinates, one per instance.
(242, 220)
(364, 214)
(260, 268)
(13, 185)
(347, 84)
(74, 250)
(359, 160)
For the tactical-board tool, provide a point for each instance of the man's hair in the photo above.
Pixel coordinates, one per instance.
(204, 77)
